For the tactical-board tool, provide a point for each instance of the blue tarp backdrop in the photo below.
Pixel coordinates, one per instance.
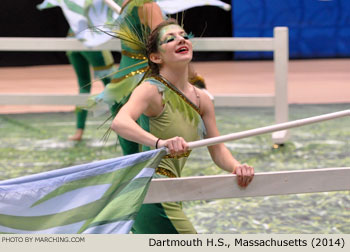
(317, 28)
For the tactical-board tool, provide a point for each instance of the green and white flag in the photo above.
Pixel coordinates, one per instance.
(99, 197)
(175, 6)
(84, 16)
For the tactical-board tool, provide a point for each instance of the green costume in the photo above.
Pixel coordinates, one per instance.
(81, 16)
(168, 217)
(102, 63)
(133, 65)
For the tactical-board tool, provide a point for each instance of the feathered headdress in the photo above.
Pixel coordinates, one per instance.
(133, 35)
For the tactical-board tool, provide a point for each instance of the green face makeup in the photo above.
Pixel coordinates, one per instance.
(167, 38)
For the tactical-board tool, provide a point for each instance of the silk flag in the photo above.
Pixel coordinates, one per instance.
(82, 15)
(174, 6)
(98, 197)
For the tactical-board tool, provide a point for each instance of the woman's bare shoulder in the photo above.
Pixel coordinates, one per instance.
(206, 103)
(147, 88)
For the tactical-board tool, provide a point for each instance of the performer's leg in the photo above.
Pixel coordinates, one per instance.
(82, 70)
(162, 218)
(102, 63)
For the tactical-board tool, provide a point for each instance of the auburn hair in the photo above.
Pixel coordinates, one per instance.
(153, 43)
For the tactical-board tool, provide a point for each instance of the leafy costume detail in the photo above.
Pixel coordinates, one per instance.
(168, 217)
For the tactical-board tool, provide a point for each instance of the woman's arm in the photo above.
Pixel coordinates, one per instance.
(151, 15)
(124, 124)
(145, 99)
(221, 156)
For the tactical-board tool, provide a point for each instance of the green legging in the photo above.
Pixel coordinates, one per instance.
(101, 62)
(162, 218)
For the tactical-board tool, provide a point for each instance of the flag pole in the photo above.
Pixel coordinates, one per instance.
(267, 129)
(113, 6)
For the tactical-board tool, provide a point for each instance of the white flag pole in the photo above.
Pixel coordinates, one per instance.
(113, 6)
(267, 129)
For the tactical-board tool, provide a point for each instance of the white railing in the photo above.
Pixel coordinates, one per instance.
(263, 184)
(278, 44)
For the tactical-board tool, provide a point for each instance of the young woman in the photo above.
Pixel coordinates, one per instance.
(178, 113)
(136, 18)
